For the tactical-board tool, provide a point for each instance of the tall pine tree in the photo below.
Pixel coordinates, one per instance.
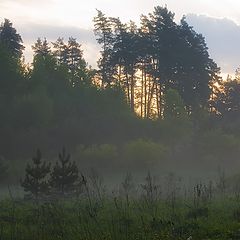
(104, 34)
(11, 39)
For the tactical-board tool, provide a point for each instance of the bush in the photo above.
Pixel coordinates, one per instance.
(97, 156)
(143, 153)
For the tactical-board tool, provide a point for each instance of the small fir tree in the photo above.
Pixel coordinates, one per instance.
(64, 177)
(35, 181)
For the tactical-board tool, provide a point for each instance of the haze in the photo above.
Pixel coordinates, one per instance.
(53, 18)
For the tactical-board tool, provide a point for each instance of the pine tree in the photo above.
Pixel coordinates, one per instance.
(44, 63)
(35, 181)
(41, 48)
(74, 54)
(104, 34)
(76, 63)
(64, 177)
(11, 39)
(61, 51)
(196, 71)
(11, 66)
(125, 56)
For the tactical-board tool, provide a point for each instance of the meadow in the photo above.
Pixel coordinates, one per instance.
(156, 101)
(155, 209)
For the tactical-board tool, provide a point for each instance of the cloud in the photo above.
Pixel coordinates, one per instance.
(29, 2)
(30, 33)
(222, 37)
(214, 8)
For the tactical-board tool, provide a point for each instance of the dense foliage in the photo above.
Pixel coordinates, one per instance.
(157, 99)
(156, 102)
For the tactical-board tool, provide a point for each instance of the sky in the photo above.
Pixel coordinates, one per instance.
(217, 20)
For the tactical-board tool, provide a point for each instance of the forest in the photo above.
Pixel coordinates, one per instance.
(155, 121)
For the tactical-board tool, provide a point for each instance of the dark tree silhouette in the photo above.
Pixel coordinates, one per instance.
(162, 54)
(76, 63)
(103, 31)
(35, 181)
(159, 70)
(60, 51)
(11, 39)
(198, 72)
(64, 177)
(228, 99)
(41, 48)
(11, 67)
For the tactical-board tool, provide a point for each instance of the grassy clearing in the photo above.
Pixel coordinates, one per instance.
(149, 211)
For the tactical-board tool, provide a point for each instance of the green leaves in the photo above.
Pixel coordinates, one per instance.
(174, 106)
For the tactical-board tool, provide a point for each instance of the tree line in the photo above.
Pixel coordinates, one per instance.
(158, 56)
(149, 60)
(154, 81)
(53, 100)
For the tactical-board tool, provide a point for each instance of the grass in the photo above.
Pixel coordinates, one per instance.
(130, 213)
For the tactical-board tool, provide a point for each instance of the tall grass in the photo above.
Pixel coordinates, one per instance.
(165, 209)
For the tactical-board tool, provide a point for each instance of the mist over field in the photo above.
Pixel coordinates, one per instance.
(142, 144)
